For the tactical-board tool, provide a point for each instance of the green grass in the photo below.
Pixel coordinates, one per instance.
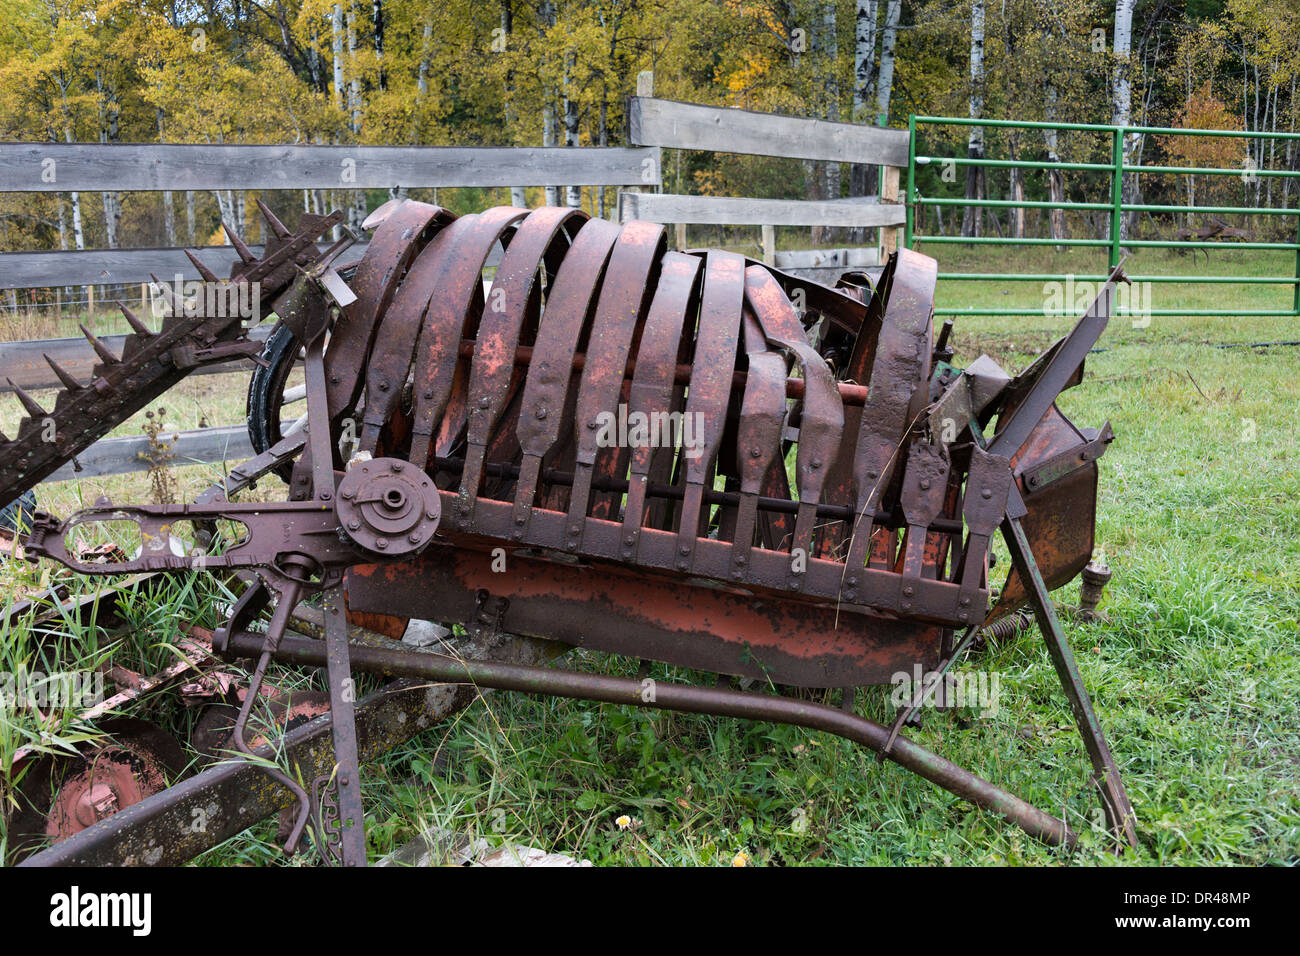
(1194, 674)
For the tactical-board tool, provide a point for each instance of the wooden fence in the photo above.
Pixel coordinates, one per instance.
(668, 124)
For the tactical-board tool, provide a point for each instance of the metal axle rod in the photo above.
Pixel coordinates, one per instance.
(678, 697)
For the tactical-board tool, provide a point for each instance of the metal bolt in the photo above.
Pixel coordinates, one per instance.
(908, 590)
(381, 544)
(348, 494)
(986, 493)
(540, 413)
(925, 484)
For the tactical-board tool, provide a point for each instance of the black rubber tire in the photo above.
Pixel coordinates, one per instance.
(18, 513)
(265, 390)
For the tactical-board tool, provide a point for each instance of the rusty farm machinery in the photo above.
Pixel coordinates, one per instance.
(679, 456)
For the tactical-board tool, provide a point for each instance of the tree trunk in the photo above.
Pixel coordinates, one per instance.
(377, 24)
(972, 217)
(422, 77)
(546, 20)
(1055, 180)
(1016, 193)
(885, 88)
(573, 194)
(831, 96)
(169, 211)
(862, 176)
(1122, 103)
(336, 47)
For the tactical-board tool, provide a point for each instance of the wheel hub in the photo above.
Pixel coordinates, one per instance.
(388, 507)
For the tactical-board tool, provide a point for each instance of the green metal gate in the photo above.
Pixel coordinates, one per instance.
(1115, 206)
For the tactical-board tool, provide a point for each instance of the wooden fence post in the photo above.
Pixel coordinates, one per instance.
(769, 245)
(888, 194)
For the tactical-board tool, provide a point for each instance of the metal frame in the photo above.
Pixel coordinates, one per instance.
(1115, 205)
(400, 522)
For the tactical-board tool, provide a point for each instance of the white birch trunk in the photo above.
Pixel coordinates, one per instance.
(422, 79)
(336, 47)
(1122, 86)
(885, 87)
(972, 216)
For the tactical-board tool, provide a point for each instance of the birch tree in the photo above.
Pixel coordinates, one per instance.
(885, 86)
(862, 177)
(1121, 102)
(972, 217)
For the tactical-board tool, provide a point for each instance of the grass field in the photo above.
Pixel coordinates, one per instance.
(1195, 674)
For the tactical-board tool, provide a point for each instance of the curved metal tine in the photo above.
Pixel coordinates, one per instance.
(511, 300)
(288, 600)
(503, 447)
(390, 359)
(899, 368)
(653, 379)
(449, 431)
(710, 389)
(624, 296)
(822, 411)
(400, 236)
(448, 316)
(836, 305)
(758, 433)
(567, 312)
(839, 487)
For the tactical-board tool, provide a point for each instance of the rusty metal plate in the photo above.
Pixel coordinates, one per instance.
(606, 608)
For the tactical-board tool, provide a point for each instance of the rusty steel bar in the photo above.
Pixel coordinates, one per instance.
(728, 499)
(685, 699)
(850, 394)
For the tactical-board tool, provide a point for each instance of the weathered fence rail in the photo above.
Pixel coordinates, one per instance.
(725, 210)
(53, 167)
(49, 270)
(24, 362)
(117, 456)
(719, 129)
